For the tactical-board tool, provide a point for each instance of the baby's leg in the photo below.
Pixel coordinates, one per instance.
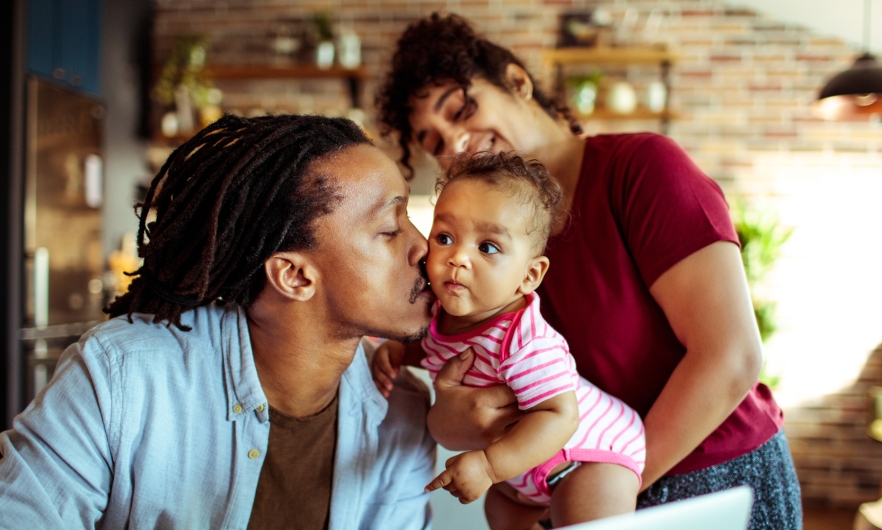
(594, 491)
(505, 512)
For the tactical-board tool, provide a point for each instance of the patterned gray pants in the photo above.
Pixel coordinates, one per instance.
(767, 469)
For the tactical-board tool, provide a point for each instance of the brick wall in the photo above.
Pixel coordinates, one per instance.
(741, 91)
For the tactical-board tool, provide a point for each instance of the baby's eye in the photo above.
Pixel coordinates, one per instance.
(444, 239)
(488, 248)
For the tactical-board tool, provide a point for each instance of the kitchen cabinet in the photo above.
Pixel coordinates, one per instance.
(64, 42)
(606, 58)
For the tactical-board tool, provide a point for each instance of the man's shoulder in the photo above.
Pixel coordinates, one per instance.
(124, 335)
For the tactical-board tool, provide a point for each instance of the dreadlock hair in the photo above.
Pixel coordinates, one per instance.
(224, 202)
(437, 49)
(527, 180)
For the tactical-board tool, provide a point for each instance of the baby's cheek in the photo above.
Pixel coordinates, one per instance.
(433, 268)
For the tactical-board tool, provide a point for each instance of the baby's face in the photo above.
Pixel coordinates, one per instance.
(479, 249)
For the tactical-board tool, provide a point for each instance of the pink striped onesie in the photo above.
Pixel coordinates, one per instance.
(522, 351)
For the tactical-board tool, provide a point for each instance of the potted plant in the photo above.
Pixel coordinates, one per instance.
(183, 87)
(761, 237)
(324, 51)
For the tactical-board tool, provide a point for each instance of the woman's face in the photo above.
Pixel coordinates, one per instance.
(447, 121)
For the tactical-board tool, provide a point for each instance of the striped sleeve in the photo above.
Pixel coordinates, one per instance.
(541, 369)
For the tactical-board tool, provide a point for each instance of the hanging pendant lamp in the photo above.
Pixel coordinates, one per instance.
(856, 93)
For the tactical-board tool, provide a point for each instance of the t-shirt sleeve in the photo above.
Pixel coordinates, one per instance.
(667, 207)
(540, 370)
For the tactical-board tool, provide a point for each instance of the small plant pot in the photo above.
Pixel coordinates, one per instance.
(324, 54)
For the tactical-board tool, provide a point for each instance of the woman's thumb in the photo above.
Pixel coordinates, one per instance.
(454, 370)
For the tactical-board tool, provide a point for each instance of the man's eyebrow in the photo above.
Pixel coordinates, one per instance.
(379, 209)
(438, 104)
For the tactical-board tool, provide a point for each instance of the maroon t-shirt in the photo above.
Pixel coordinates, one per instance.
(641, 206)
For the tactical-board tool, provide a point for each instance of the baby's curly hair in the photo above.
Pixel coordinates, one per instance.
(438, 49)
(528, 180)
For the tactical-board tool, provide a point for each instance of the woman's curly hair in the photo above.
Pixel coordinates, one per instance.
(438, 49)
(527, 180)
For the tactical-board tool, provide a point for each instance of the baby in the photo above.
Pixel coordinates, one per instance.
(577, 450)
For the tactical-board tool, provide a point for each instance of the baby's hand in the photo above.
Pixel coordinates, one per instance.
(467, 477)
(386, 365)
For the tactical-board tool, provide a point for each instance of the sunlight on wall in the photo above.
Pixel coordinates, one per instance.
(419, 209)
(827, 283)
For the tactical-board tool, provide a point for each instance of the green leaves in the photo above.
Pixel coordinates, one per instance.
(761, 236)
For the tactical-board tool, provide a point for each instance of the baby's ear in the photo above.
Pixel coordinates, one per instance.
(536, 269)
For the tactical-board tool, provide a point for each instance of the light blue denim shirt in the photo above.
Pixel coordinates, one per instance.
(147, 426)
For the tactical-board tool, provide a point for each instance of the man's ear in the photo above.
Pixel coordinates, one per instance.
(291, 274)
(519, 81)
(536, 269)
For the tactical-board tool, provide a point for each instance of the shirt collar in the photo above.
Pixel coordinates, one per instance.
(243, 390)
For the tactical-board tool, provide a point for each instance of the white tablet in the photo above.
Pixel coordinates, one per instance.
(724, 510)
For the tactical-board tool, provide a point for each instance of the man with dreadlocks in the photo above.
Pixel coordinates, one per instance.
(231, 389)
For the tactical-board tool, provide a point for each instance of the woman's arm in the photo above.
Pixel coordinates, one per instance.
(707, 303)
(483, 414)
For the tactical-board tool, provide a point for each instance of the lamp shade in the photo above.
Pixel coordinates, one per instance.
(854, 94)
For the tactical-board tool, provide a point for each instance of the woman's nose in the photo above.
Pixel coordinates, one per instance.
(456, 140)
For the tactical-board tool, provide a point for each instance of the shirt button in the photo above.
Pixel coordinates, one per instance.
(237, 408)
(259, 408)
(253, 454)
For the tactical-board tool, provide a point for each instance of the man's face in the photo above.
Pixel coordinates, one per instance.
(369, 252)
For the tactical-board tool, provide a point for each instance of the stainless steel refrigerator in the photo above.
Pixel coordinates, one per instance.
(64, 262)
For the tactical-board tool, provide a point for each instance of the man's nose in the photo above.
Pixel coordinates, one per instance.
(419, 247)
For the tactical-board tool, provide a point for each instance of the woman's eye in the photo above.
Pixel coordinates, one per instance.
(468, 108)
(444, 239)
(393, 234)
(488, 248)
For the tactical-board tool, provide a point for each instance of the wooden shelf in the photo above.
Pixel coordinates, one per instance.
(608, 55)
(353, 77)
(287, 71)
(637, 114)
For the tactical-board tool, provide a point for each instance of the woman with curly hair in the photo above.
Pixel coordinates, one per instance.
(647, 285)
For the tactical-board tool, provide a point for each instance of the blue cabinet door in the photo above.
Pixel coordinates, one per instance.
(64, 42)
(42, 57)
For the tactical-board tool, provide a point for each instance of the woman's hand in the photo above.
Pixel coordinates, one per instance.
(465, 418)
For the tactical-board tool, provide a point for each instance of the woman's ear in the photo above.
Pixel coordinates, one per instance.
(519, 81)
(536, 269)
(292, 275)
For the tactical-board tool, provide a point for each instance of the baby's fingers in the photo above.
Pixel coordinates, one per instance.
(384, 366)
(441, 481)
(383, 382)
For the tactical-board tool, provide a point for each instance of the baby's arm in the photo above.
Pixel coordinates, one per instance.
(388, 359)
(540, 434)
